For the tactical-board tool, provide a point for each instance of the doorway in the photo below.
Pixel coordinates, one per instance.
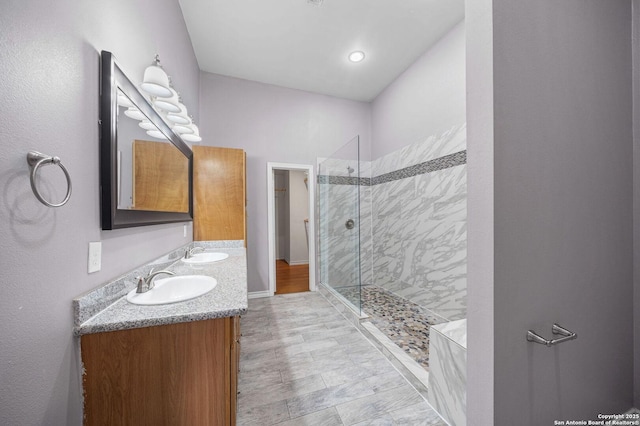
(291, 228)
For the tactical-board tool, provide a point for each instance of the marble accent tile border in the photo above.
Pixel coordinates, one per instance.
(96, 300)
(444, 162)
(344, 180)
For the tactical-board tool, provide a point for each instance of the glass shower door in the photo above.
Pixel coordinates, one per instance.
(339, 223)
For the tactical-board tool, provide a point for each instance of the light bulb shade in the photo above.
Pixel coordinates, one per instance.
(180, 129)
(133, 112)
(156, 82)
(157, 134)
(169, 104)
(124, 101)
(147, 125)
(192, 137)
(179, 117)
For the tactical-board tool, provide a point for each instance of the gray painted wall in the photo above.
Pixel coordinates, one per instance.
(480, 212)
(427, 99)
(563, 217)
(636, 199)
(274, 124)
(49, 91)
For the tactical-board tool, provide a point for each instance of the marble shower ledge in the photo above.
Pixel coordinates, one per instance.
(106, 309)
(456, 331)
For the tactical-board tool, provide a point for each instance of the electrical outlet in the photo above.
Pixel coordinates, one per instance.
(95, 256)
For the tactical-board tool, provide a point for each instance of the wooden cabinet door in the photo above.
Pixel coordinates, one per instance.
(219, 193)
(235, 367)
(170, 375)
(160, 177)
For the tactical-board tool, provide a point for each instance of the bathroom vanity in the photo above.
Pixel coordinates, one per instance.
(169, 364)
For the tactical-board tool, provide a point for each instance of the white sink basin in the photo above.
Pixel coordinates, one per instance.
(173, 289)
(205, 258)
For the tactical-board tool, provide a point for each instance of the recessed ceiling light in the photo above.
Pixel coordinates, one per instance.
(356, 56)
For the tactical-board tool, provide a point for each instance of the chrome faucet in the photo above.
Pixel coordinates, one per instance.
(146, 283)
(189, 253)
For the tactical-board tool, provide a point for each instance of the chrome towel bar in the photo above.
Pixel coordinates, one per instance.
(532, 336)
(36, 159)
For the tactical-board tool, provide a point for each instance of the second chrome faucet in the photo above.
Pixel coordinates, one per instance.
(189, 253)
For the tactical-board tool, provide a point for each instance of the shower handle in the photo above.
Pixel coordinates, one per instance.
(349, 224)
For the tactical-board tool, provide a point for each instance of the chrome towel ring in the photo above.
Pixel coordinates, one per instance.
(36, 159)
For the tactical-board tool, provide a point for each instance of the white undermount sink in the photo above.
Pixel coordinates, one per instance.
(205, 258)
(173, 289)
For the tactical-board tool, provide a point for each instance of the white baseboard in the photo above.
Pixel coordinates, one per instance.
(259, 294)
(302, 262)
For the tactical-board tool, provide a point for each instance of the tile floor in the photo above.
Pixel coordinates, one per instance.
(303, 363)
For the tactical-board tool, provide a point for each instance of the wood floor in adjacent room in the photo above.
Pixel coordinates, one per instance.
(291, 278)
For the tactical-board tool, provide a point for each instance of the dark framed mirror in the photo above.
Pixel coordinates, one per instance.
(146, 169)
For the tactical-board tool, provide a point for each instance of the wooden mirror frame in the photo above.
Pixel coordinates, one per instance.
(113, 78)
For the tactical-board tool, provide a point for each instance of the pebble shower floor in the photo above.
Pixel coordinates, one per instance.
(404, 322)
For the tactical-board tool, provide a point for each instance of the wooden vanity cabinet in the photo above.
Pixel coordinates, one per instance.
(177, 374)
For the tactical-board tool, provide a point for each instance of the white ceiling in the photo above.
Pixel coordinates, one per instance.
(296, 44)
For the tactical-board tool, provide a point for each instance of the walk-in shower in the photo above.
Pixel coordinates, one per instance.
(340, 223)
(392, 236)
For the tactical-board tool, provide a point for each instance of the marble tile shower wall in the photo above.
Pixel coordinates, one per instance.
(419, 223)
(339, 197)
(366, 234)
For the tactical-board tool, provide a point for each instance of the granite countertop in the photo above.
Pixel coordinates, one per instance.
(228, 298)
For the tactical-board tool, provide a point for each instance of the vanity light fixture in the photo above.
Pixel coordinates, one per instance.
(169, 104)
(182, 130)
(157, 134)
(155, 81)
(179, 117)
(192, 137)
(165, 100)
(356, 56)
(147, 125)
(123, 101)
(133, 112)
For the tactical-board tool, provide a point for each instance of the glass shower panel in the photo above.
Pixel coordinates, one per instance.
(339, 213)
